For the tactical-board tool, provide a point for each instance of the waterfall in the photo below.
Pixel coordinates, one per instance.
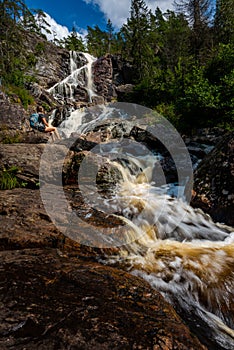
(178, 250)
(73, 61)
(89, 74)
(77, 120)
(79, 78)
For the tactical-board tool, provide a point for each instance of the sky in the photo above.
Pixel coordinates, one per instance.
(63, 15)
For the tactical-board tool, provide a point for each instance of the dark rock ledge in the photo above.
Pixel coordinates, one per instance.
(54, 302)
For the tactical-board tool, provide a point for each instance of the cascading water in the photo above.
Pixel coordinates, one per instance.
(180, 251)
(79, 77)
(190, 260)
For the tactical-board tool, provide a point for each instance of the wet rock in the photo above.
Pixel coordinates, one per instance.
(60, 114)
(214, 182)
(197, 150)
(81, 142)
(98, 100)
(59, 302)
(24, 221)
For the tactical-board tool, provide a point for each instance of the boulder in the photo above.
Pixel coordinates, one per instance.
(123, 91)
(15, 127)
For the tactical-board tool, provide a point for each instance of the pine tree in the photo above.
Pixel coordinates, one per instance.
(199, 14)
(43, 25)
(11, 41)
(96, 41)
(14, 58)
(73, 42)
(224, 21)
(175, 36)
(135, 35)
(110, 35)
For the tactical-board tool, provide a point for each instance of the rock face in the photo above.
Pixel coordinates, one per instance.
(214, 182)
(123, 72)
(52, 62)
(103, 78)
(53, 301)
(13, 120)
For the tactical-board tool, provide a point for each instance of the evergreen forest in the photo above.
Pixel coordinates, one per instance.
(183, 60)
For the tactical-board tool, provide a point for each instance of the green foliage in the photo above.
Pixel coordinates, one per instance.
(198, 104)
(97, 43)
(100, 42)
(221, 62)
(39, 48)
(135, 35)
(73, 42)
(15, 60)
(8, 179)
(31, 60)
(224, 21)
(8, 139)
(179, 73)
(167, 110)
(23, 96)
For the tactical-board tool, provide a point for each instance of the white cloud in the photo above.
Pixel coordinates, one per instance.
(119, 10)
(164, 5)
(57, 30)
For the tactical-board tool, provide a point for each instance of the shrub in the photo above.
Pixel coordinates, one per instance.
(24, 97)
(8, 179)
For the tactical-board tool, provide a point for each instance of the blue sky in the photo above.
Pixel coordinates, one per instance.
(81, 13)
(70, 12)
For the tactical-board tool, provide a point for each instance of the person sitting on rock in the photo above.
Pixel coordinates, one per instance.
(38, 121)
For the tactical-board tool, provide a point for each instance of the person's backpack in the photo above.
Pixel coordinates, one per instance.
(33, 120)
